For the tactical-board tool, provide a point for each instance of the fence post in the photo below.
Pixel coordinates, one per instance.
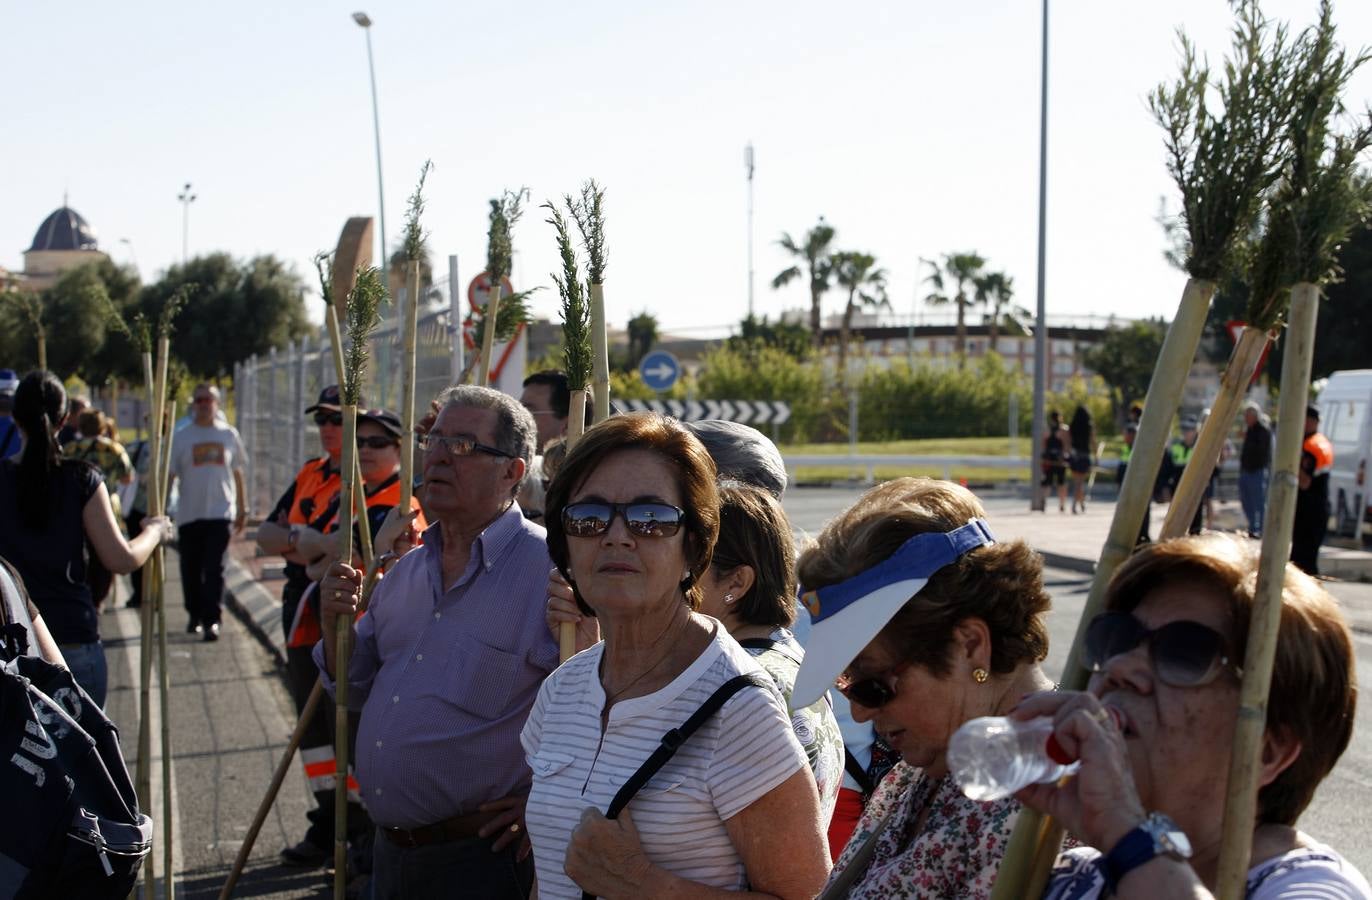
(455, 318)
(298, 402)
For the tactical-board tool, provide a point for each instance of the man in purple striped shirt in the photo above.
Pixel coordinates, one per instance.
(447, 662)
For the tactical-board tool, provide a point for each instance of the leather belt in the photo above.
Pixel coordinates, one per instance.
(458, 828)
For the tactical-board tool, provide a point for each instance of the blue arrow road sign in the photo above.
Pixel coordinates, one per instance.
(660, 370)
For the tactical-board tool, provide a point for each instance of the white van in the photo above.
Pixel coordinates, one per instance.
(1345, 404)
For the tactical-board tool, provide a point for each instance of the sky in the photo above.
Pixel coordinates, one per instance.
(912, 127)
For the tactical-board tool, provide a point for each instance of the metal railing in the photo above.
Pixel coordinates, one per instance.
(272, 391)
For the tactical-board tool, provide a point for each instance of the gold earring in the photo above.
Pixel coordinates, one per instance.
(979, 675)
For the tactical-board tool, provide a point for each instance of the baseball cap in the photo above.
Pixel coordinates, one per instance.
(329, 401)
(1188, 424)
(386, 419)
(1312, 412)
(9, 381)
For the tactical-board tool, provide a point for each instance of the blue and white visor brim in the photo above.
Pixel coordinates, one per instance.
(837, 639)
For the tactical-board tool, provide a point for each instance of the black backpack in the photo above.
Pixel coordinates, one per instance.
(74, 829)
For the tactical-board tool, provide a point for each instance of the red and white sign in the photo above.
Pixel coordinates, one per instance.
(481, 286)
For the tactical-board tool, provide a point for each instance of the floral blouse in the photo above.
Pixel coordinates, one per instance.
(956, 854)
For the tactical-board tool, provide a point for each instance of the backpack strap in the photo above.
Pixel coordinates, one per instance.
(857, 773)
(672, 740)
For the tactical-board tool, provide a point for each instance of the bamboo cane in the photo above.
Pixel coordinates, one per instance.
(362, 311)
(162, 668)
(1243, 361)
(483, 372)
(414, 249)
(343, 629)
(600, 346)
(1240, 806)
(145, 614)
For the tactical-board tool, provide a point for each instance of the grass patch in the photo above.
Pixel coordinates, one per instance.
(972, 474)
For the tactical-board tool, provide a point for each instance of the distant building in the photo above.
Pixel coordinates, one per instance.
(64, 241)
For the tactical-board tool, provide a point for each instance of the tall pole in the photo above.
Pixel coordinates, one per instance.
(1041, 322)
(455, 319)
(186, 198)
(365, 21)
(748, 164)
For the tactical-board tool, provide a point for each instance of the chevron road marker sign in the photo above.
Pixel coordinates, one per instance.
(745, 412)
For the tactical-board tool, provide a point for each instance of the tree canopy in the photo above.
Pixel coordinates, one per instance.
(1125, 360)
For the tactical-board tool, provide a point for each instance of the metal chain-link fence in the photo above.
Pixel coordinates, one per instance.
(272, 391)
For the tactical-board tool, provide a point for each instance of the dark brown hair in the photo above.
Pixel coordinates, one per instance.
(1001, 584)
(1314, 692)
(695, 480)
(754, 532)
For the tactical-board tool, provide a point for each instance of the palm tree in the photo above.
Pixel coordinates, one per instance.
(995, 289)
(814, 252)
(866, 286)
(961, 269)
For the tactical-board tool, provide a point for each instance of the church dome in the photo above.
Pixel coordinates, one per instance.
(64, 230)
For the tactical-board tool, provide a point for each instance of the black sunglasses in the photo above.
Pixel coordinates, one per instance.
(1183, 653)
(377, 441)
(592, 518)
(460, 446)
(873, 692)
(325, 418)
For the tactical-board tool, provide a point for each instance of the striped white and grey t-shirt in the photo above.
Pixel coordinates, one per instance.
(745, 750)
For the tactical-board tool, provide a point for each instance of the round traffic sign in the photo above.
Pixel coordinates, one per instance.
(481, 286)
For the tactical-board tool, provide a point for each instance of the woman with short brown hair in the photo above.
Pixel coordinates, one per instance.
(931, 622)
(633, 516)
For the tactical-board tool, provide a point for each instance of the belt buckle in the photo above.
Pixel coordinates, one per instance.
(402, 836)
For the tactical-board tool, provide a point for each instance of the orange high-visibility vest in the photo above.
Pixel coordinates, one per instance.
(315, 486)
(1318, 446)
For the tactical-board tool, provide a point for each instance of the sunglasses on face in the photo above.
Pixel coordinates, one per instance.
(593, 518)
(872, 692)
(323, 418)
(1183, 654)
(203, 399)
(377, 442)
(459, 446)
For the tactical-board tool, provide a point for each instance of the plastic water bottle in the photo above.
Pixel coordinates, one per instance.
(993, 757)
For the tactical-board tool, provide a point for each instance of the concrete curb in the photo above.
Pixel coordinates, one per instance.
(255, 606)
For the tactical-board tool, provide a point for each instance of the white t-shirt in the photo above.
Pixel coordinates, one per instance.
(204, 458)
(1300, 874)
(743, 751)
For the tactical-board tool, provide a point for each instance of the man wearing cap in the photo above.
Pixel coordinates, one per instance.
(314, 488)
(1312, 496)
(10, 441)
(548, 398)
(208, 460)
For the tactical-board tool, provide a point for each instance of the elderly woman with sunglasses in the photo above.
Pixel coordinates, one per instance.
(633, 517)
(930, 623)
(1154, 731)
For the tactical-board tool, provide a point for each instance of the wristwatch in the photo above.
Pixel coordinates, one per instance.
(293, 537)
(1155, 836)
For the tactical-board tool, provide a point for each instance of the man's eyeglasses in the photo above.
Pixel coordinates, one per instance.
(1183, 654)
(460, 446)
(593, 518)
(324, 418)
(377, 441)
(873, 692)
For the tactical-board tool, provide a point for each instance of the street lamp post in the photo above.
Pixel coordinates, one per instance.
(132, 256)
(186, 198)
(1040, 324)
(748, 164)
(365, 22)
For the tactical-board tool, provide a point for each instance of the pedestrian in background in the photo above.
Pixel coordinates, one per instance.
(1131, 432)
(50, 509)
(76, 405)
(1312, 496)
(110, 459)
(1053, 458)
(1083, 439)
(207, 459)
(1255, 466)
